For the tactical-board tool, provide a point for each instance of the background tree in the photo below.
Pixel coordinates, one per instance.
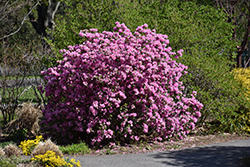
(78, 15)
(201, 27)
(21, 52)
(13, 72)
(238, 13)
(45, 18)
(203, 31)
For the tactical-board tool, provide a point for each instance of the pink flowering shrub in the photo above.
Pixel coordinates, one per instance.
(118, 86)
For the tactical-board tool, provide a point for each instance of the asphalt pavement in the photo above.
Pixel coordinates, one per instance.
(213, 155)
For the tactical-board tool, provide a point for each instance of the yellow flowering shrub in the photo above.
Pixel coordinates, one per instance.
(28, 145)
(49, 159)
(243, 75)
(72, 162)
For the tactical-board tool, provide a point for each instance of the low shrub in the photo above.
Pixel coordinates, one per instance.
(43, 153)
(50, 159)
(118, 86)
(242, 75)
(28, 145)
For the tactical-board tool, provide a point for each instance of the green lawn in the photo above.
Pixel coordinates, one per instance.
(26, 97)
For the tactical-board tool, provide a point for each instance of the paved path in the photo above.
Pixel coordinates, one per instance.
(213, 155)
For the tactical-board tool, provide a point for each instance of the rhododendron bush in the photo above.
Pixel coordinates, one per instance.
(118, 86)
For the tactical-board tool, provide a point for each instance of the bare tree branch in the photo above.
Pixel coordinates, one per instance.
(248, 7)
(6, 36)
(25, 90)
(52, 9)
(221, 5)
(10, 7)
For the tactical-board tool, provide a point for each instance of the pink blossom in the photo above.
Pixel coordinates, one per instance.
(119, 82)
(133, 114)
(145, 128)
(94, 112)
(198, 114)
(95, 104)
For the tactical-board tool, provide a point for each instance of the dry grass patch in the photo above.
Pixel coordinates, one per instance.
(12, 150)
(48, 145)
(27, 118)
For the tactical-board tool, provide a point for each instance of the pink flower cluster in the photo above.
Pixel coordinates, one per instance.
(119, 86)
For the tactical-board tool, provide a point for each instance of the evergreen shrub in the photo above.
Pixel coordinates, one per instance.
(118, 87)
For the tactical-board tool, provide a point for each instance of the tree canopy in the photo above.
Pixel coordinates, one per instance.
(207, 31)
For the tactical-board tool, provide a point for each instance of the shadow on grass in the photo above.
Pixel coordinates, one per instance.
(209, 156)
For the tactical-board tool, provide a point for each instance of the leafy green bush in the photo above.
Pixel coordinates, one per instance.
(99, 14)
(205, 35)
(202, 32)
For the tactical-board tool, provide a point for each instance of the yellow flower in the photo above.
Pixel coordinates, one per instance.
(243, 76)
(28, 145)
(50, 159)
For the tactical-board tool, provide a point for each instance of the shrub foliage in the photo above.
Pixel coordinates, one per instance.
(242, 75)
(118, 86)
(205, 35)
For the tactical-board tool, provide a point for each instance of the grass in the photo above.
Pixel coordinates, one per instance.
(5, 163)
(80, 148)
(2, 121)
(12, 161)
(26, 97)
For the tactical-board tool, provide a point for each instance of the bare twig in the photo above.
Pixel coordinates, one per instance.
(13, 33)
(248, 7)
(25, 90)
(247, 63)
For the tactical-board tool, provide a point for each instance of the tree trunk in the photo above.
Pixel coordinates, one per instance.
(245, 40)
(46, 13)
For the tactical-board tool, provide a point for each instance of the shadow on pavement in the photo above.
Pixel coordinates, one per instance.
(209, 156)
